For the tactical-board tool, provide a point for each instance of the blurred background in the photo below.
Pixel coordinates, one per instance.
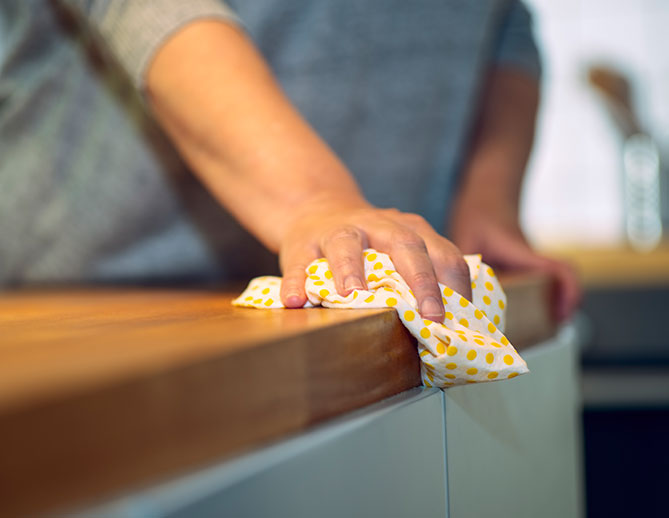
(578, 201)
(574, 193)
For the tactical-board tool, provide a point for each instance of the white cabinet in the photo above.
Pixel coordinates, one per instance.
(514, 448)
(509, 449)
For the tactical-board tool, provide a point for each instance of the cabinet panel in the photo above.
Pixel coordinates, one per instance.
(513, 448)
(385, 460)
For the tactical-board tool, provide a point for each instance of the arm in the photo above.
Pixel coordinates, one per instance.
(485, 214)
(500, 148)
(219, 103)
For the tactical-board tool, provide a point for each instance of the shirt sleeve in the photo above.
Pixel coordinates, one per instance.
(516, 46)
(134, 30)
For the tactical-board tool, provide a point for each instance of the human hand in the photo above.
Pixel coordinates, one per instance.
(493, 231)
(340, 232)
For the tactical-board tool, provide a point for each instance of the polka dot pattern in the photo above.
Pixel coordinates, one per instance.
(467, 347)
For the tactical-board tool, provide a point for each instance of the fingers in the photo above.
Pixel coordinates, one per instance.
(409, 255)
(294, 261)
(568, 293)
(343, 249)
(451, 269)
(448, 262)
(421, 256)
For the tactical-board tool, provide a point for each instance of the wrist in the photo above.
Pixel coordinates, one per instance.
(486, 199)
(476, 213)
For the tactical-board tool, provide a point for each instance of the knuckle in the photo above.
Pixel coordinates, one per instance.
(422, 280)
(415, 220)
(405, 238)
(293, 271)
(345, 233)
(344, 265)
(392, 211)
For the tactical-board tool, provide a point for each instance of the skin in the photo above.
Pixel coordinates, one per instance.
(485, 218)
(218, 101)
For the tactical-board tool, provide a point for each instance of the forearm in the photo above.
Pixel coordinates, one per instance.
(501, 143)
(222, 108)
(485, 216)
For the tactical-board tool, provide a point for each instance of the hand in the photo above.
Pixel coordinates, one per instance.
(493, 231)
(340, 233)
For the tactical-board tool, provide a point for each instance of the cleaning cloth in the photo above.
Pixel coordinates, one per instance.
(469, 346)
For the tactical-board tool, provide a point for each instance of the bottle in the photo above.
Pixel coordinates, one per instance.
(643, 219)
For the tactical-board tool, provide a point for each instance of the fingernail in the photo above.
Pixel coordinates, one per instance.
(293, 300)
(431, 309)
(352, 283)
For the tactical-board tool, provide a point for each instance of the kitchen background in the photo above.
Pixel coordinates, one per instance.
(574, 198)
(574, 194)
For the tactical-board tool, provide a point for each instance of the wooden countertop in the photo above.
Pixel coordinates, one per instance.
(104, 390)
(618, 267)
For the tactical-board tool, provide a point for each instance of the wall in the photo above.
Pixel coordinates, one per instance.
(573, 193)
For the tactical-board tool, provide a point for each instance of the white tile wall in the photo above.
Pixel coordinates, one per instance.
(573, 191)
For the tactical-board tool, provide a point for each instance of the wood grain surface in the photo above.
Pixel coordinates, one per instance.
(618, 267)
(105, 390)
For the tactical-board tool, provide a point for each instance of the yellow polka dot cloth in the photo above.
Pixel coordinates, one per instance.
(467, 347)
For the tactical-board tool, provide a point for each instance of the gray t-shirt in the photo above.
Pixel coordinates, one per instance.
(91, 190)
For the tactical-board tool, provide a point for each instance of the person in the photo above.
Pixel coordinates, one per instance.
(319, 128)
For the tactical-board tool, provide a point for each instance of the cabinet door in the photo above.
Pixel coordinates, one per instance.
(513, 448)
(385, 460)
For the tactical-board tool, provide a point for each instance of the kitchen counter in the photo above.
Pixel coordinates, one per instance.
(618, 267)
(626, 296)
(105, 390)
